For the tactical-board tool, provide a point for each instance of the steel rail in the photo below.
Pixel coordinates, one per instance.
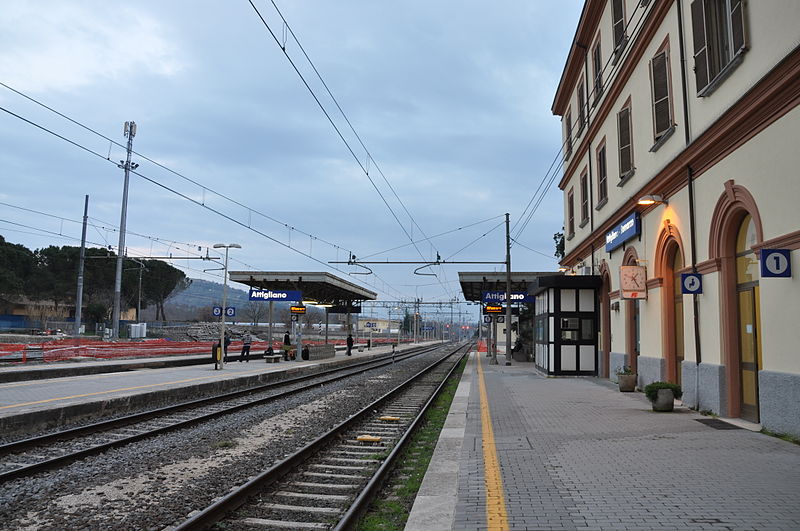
(67, 435)
(239, 496)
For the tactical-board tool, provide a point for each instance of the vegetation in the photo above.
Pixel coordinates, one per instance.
(48, 277)
(651, 390)
(390, 511)
(783, 436)
(625, 369)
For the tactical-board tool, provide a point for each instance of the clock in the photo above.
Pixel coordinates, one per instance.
(633, 282)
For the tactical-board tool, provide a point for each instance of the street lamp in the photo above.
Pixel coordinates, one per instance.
(220, 359)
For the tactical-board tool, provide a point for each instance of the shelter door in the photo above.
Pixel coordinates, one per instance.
(748, 347)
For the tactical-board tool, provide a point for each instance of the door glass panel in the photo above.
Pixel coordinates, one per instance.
(746, 261)
(747, 343)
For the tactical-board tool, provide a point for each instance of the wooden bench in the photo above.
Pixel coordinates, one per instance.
(273, 358)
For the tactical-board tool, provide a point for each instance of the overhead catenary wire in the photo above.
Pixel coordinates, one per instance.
(540, 192)
(387, 287)
(336, 127)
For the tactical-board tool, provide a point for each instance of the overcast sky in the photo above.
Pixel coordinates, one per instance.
(451, 99)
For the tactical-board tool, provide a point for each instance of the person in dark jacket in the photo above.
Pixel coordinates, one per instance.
(286, 344)
(349, 344)
(247, 340)
(226, 343)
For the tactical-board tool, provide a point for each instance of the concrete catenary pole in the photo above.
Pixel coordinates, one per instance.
(130, 132)
(508, 292)
(81, 260)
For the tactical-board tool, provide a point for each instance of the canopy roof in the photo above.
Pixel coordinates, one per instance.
(473, 284)
(324, 288)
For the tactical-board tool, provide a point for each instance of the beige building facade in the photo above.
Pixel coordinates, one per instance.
(681, 181)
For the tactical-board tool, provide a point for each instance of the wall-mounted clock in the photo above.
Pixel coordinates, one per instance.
(633, 282)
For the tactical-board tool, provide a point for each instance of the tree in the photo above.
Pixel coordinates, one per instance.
(159, 281)
(16, 266)
(558, 237)
(255, 311)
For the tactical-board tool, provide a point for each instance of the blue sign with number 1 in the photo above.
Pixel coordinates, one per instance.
(776, 263)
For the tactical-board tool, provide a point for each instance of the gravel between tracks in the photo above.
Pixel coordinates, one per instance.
(157, 483)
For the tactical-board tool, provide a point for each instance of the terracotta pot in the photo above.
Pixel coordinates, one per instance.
(627, 382)
(665, 401)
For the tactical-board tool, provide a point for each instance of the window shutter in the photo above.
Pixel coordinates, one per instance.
(581, 107)
(661, 110)
(737, 25)
(602, 189)
(598, 73)
(619, 22)
(625, 162)
(700, 44)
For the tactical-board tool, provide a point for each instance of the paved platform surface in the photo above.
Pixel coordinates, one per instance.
(575, 453)
(28, 398)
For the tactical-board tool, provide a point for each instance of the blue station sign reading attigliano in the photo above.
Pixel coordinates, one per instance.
(500, 296)
(274, 295)
(628, 228)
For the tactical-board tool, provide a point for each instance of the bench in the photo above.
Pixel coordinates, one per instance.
(273, 358)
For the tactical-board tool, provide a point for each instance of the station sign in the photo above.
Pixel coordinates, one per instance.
(776, 263)
(628, 228)
(275, 295)
(297, 310)
(371, 324)
(230, 311)
(500, 296)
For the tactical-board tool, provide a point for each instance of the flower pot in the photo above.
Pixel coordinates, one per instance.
(665, 401)
(627, 382)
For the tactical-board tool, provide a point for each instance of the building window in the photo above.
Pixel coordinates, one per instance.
(625, 146)
(602, 183)
(597, 63)
(662, 106)
(719, 40)
(581, 107)
(568, 142)
(618, 22)
(584, 199)
(571, 213)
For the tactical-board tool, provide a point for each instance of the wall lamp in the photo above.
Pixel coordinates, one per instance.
(648, 200)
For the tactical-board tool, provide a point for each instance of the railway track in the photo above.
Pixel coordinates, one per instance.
(329, 483)
(30, 456)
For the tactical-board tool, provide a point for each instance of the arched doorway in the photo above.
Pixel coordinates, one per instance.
(669, 263)
(735, 230)
(747, 299)
(632, 318)
(605, 320)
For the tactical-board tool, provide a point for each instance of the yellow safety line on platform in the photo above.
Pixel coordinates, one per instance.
(496, 517)
(115, 391)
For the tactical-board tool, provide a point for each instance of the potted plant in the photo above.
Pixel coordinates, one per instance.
(626, 379)
(662, 395)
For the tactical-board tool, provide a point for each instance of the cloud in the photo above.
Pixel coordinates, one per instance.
(62, 46)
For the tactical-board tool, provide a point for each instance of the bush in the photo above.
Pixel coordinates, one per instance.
(651, 390)
(625, 369)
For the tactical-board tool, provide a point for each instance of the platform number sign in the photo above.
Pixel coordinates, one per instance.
(487, 319)
(776, 263)
(691, 283)
(230, 311)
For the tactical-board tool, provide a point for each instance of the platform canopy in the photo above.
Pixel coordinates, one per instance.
(473, 284)
(323, 288)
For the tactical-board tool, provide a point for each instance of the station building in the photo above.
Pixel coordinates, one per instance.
(680, 156)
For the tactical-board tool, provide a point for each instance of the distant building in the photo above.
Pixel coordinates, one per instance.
(693, 103)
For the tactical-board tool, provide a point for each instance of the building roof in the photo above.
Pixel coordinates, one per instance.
(587, 26)
(473, 284)
(319, 286)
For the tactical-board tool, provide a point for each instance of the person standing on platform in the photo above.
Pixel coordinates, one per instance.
(246, 341)
(225, 345)
(287, 342)
(349, 344)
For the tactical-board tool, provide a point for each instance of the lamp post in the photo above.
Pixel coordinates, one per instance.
(220, 363)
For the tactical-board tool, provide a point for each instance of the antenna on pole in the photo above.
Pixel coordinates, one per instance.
(129, 131)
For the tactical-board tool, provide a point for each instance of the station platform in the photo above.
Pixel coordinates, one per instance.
(46, 396)
(520, 450)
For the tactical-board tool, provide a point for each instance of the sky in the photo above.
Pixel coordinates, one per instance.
(239, 141)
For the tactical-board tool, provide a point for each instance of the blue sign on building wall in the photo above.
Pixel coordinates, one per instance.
(628, 228)
(274, 295)
(500, 296)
